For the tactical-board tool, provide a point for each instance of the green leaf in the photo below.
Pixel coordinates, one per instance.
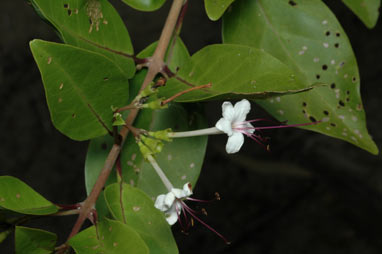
(366, 10)
(87, 242)
(114, 238)
(34, 241)
(87, 23)
(311, 42)
(226, 67)
(145, 5)
(80, 86)
(138, 211)
(15, 195)
(216, 8)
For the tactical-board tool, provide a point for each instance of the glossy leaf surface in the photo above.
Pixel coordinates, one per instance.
(307, 37)
(80, 95)
(34, 241)
(113, 237)
(366, 10)
(17, 196)
(235, 71)
(86, 23)
(145, 5)
(216, 8)
(138, 211)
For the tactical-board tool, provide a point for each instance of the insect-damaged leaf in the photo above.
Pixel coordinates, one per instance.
(17, 196)
(314, 45)
(80, 86)
(87, 23)
(235, 71)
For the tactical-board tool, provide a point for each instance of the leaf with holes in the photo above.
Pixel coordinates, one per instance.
(314, 45)
(216, 8)
(138, 210)
(15, 195)
(34, 241)
(366, 10)
(113, 237)
(145, 5)
(235, 71)
(92, 25)
(80, 86)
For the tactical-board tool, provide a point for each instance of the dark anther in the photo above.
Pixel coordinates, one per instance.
(292, 3)
(304, 104)
(311, 118)
(332, 86)
(317, 76)
(66, 6)
(354, 79)
(333, 124)
(338, 34)
(327, 33)
(326, 112)
(336, 45)
(341, 103)
(324, 67)
(69, 12)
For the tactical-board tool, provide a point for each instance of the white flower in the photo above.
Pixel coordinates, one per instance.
(171, 203)
(234, 125)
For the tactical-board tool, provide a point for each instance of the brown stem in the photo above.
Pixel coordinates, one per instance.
(185, 91)
(154, 67)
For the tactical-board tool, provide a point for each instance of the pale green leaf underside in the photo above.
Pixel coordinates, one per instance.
(216, 8)
(138, 210)
(145, 5)
(80, 86)
(234, 71)
(15, 195)
(308, 38)
(366, 10)
(83, 23)
(113, 237)
(34, 241)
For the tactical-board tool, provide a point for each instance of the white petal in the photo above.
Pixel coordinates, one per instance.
(234, 142)
(172, 216)
(225, 126)
(178, 193)
(159, 203)
(249, 128)
(169, 200)
(241, 110)
(187, 189)
(228, 111)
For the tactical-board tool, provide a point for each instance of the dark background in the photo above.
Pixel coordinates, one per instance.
(311, 194)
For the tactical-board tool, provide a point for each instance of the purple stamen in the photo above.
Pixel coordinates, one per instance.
(191, 212)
